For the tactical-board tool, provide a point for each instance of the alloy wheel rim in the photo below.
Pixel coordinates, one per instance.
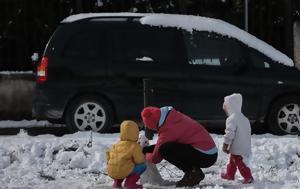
(89, 116)
(289, 118)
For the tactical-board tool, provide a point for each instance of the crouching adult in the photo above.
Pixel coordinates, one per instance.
(182, 141)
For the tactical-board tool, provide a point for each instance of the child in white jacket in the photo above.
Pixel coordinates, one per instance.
(237, 139)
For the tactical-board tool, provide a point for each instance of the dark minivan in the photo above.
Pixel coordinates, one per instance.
(92, 71)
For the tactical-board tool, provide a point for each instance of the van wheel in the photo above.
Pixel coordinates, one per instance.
(89, 113)
(284, 116)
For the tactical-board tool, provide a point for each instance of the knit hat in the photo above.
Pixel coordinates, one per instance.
(151, 116)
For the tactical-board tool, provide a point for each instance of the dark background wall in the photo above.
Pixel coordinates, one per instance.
(16, 95)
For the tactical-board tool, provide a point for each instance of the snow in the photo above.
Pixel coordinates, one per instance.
(35, 57)
(81, 16)
(23, 124)
(199, 23)
(49, 162)
(152, 174)
(145, 59)
(15, 72)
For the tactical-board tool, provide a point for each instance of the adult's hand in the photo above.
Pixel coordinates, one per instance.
(149, 157)
(225, 148)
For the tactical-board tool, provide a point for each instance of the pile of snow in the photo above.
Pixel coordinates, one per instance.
(190, 23)
(46, 162)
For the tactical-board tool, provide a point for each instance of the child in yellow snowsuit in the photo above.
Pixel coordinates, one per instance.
(126, 159)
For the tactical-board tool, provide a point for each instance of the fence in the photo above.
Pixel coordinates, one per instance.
(16, 95)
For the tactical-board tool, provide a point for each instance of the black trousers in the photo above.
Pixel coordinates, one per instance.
(184, 156)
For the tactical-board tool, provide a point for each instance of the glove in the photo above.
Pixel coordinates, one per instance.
(148, 149)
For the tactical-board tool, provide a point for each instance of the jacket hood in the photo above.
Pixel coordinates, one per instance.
(129, 131)
(233, 103)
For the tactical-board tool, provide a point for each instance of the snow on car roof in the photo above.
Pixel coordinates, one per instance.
(77, 17)
(190, 23)
(198, 23)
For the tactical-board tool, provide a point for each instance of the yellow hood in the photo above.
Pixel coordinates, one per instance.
(129, 131)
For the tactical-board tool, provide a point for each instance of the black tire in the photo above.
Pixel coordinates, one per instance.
(284, 116)
(89, 113)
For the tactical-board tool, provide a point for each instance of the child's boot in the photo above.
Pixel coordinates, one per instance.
(117, 183)
(246, 173)
(230, 172)
(130, 182)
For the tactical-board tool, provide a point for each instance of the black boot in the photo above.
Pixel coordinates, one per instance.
(183, 181)
(191, 178)
(196, 175)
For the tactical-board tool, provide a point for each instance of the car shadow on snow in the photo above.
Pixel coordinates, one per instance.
(60, 131)
(57, 131)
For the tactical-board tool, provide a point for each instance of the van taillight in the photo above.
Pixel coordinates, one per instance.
(42, 70)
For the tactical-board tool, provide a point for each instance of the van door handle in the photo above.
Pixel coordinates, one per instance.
(144, 59)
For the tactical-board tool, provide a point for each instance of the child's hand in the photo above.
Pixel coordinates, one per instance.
(225, 148)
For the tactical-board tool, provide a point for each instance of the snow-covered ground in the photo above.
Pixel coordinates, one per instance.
(24, 124)
(72, 161)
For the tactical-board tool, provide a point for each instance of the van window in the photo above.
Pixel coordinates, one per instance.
(211, 49)
(146, 44)
(83, 44)
(258, 60)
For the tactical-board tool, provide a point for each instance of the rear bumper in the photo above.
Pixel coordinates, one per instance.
(48, 105)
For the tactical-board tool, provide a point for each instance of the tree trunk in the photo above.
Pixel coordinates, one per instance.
(297, 44)
(288, 28)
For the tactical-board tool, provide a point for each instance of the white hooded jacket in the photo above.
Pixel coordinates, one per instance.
(238, 128)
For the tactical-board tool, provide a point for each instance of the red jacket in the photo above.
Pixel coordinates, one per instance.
(180, 128)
